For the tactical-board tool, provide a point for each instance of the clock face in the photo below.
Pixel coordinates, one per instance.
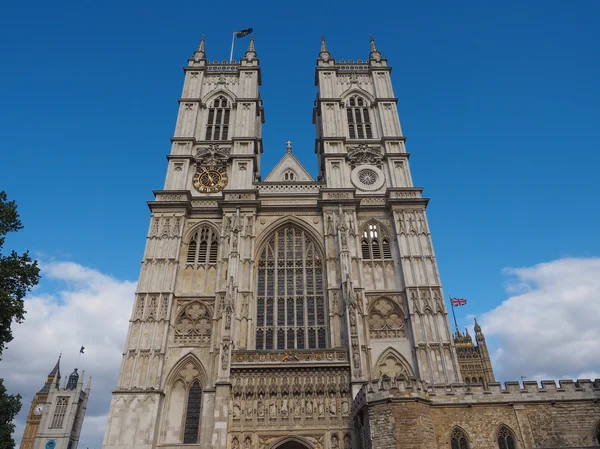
(210, 179)
(38, 409)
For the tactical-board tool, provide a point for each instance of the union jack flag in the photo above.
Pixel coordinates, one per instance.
(458, 301)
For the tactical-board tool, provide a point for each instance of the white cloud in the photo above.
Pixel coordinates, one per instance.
(86, 308)
(549, 329)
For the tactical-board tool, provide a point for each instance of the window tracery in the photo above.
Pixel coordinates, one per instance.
(374, 244)
(392, 365)
(59, 412)
(193, 324)
(203, 248)
(386, 319)
(458, 439)
(217, 127)
(290, 310)
(359, 122)
(506, 439)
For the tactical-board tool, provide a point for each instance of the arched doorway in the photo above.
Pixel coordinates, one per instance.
(292, 445)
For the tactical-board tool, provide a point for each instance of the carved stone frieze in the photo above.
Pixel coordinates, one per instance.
(293, 356)
(212, 155)
(364, 154)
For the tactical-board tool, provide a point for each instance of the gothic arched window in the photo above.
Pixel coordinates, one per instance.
(359, 122)
(289, 175)
(192, 415)
(203, 248)
(375, 245)
(217, 127)
(290, 309)
(458, 439)
(506, 439)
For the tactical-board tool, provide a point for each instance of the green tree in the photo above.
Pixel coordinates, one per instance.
(18, 274)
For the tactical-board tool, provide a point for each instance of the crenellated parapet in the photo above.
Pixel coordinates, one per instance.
(460, 393)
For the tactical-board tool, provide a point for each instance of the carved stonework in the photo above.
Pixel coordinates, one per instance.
(386, 319)
(213, 155)
(364, 154)
(193, 324)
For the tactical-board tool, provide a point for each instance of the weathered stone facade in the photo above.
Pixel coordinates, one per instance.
(411, 414)
(263, 307)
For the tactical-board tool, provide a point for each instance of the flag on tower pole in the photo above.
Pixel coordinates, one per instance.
(457, 301)
(238, 34)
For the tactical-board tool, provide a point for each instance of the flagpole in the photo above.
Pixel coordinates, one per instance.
(232, 42)
(453, 314)
(78, 357)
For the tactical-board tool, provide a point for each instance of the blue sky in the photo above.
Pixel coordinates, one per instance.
(499, 102)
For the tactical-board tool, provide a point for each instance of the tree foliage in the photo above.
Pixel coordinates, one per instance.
(18, 274)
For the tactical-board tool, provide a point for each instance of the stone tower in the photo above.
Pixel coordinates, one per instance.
(56, 413)
(474, 359)
(263, 306)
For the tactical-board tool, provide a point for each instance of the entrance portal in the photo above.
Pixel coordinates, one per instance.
(293, 444)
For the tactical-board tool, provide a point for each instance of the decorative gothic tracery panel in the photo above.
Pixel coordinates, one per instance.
(203, 248)
(193, 324)
(392, 365)
(386, 320)
(359, 122)
(217, 127)
(290, 309)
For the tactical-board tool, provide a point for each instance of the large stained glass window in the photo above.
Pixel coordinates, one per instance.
(290, 303)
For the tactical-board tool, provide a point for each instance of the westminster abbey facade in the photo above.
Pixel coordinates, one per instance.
(299, 313)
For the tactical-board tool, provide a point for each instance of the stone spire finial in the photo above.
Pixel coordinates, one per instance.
(374, 53)
(477, 326)
(251, 52)
(200, 52)
(324, 53)
(289, 146)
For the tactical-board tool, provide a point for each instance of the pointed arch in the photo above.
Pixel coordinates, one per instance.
(376, 243)
(180, 371)
(202, 245)
(505, 437)
(220, 91)
(355, 90)
(393, 365)
(285, 221)
(597, 432)
(386, 319)
(290, 298)
(297, 440)
(358, 114)
(218, 116)
(459, 438)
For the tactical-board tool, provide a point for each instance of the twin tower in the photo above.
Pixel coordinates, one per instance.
(264, 305)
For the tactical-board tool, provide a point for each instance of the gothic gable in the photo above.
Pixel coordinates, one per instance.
(289, 164)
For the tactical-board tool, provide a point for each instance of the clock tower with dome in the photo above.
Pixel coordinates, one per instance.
(56, 413)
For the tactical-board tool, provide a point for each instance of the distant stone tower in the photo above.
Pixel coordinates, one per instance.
(474, 359)
(56, 414)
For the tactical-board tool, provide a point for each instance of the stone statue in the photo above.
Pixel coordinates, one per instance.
(320, 406)
(235, 444)
(260, 407)
(345, 406)
(332, 405)
(297, 408)
(237, 409)
(247, 443)
(249, 407)
(273, 409)
(334, 442)
(284, 406)
(309, 406)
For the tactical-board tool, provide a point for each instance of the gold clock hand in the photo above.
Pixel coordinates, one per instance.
(208, 174)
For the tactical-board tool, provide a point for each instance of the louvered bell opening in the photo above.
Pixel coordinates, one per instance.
(365, 249)
(387, 249)
(203, 250)
(376, 249)
(214, 251)
(191, 255)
